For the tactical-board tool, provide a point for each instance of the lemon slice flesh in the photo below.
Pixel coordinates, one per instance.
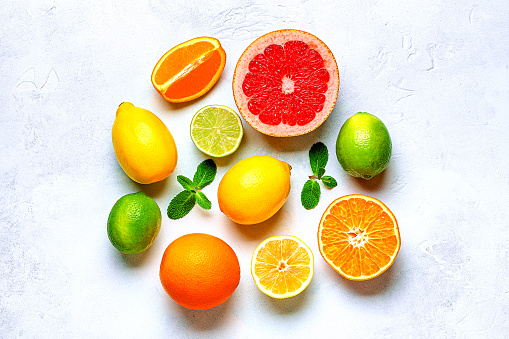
(216, 130)
(282, 266)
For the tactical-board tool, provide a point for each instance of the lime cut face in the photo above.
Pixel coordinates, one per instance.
(216, 130)
(364, 146)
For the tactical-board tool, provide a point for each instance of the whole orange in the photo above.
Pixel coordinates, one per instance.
(199, 271)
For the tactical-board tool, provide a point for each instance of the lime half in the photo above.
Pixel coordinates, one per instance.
(216, 130)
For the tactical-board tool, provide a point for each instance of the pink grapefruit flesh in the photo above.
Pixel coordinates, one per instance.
(286, 83)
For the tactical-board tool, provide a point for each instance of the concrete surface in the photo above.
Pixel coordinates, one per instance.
(436, 73)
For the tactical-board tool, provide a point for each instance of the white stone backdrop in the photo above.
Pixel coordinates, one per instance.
(436, 73)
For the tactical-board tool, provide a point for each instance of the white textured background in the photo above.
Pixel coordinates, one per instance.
(437, 74)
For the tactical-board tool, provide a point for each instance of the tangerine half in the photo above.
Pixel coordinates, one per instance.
(189, 70)
(358, 236)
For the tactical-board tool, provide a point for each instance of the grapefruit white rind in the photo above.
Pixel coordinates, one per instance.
(257, 47)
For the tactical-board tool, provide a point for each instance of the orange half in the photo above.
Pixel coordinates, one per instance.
(189, 70)
(358, 236)
(282, 266)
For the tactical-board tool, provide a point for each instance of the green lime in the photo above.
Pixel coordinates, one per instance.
(216, 130)
(134, 222)
(364, 146)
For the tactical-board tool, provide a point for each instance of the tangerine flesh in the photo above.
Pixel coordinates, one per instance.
(358, 236)
(189, 70)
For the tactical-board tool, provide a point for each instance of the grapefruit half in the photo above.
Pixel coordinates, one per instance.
(286, 83)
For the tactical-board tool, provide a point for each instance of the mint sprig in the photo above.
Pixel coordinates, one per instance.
(318, 157)
(310, 195)
(329, 181)
(181, 205)
(185, 182)
(184, 202)
(205, 174)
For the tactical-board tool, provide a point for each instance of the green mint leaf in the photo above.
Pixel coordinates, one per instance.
(318, 157)
(310, 195)
(185, 182)
(203, 201)
(181, 205)
(321, 172)
(205, 174)
(329, 182)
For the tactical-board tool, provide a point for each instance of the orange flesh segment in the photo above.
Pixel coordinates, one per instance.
(198, 77)
(179, 59)
(282, 266)
(358, 237)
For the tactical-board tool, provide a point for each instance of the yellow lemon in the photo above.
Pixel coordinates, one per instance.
(143, 144)
(282, 266)
(254, 189)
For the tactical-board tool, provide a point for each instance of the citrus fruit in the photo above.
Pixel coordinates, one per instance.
(358, 236)
(286, 83)
(216, 130)
(363, 146)
(282, 266)
(189, 70)
(254, 189)
(143, 144)
(134, 223)
(199, 271)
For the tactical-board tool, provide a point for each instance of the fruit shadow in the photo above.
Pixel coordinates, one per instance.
(202, 320)
(291, 305)
(292, 144)
(378, 285)
(153, 190)
(261, 230)
(171, 106)
(231, 159)
(375, 183)
(133, 260)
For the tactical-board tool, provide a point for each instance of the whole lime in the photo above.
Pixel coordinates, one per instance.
(364, 146)
(134, 223)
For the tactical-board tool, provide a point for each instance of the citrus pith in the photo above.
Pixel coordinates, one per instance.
(189, 70)
(358, 236)
(286, 83)
(216, 130)
(282, 266)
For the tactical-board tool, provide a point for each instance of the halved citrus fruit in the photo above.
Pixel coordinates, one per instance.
(358, 236)
(216, 130)
(282, 266)
(286, 83)
(189, 70)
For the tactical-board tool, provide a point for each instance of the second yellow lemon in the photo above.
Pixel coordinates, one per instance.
(254, 189)
(143, 144)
